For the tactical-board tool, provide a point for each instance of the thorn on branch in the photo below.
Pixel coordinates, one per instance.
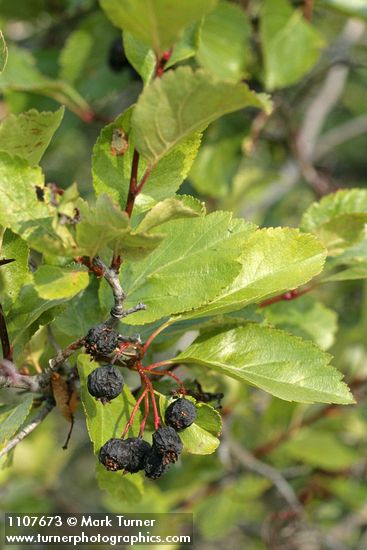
(111, 275)
(126, 312)
(62, 356)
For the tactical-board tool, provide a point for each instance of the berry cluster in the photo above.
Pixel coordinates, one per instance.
(134, 454)
(106, 383)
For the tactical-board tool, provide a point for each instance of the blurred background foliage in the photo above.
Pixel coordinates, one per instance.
(312, 58)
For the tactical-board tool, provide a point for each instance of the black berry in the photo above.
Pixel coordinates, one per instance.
(167, 443)
(116, 56)
(154, 465)
(124, 454)
(101, 340)
(117, 59)
(105, 383)
(110, 455)
(180, 414)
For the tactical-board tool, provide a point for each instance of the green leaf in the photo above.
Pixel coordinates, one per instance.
(35, 221)
(52, 282)
(350, 491)
(106, 225)
(183, 102)
(224, 47)
(169, 173)
(321, 449)
(26, 313)
(3, 52)
(338, 219)
(356, 8)
(81, 313)
(186, 46)
(349, 274)
(201, 437)
(165, 211)
(140, 56)
(273, 261)
(215, 166)
(14, 420)
(304, 317)
(125, 488)
(197, 258)
(104, 421)
(111, 173)
(285, 366)
(286, 35)
(75, 55)
(29, 134)
(14, 275)
(154, 21)
(22, 74)
(216, 514)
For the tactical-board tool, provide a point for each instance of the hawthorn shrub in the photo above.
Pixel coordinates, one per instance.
(185, 306)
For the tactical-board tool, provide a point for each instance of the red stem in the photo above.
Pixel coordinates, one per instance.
(156, 365)
(122, 347)
(148, 385)
(143, 180)
(134, 411)
(169, 373)
(162, 62)
(308, 9)
(142, 426)
(157, 420)
(288, 296)
(152, 337)
(133, 184)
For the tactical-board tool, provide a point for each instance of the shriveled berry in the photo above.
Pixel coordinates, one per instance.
(154, 465)
(180, 414)
(125, 454)
(167, 443)
(135, 453)
(111, 455)
(101, 340)
(105, 383)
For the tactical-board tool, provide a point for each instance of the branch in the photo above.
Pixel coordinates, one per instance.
(249, 462)
(308, 9)
(357, 385)
(314, 120)
(287, 296)
(135, 188)
(28, 429)
(63, 355)
(39, 383)
(117, 312)
(339, 135)
(330, 92)
(10, 378)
